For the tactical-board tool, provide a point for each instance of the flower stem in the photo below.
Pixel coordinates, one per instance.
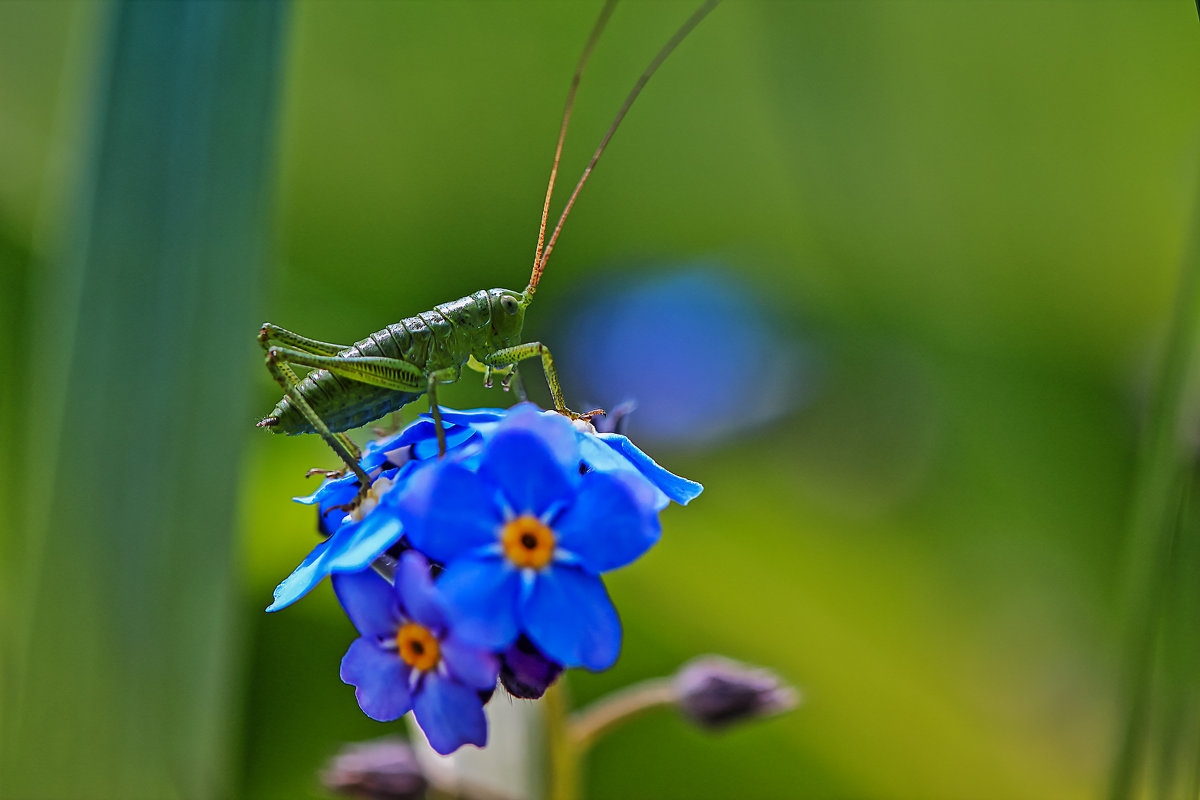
(562, 751)
(617, 708)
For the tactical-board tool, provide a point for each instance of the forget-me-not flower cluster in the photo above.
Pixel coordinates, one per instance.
(496, 553)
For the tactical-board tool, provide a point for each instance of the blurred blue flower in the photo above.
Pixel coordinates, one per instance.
(356, 540)
(703, 355)
(409, 657)
(525, 535)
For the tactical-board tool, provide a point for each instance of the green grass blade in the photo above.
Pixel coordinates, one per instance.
(125, 658)
(1159, 490)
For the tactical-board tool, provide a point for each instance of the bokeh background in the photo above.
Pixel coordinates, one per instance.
(903, 269)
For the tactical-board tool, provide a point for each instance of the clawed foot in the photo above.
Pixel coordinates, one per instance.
(586, 416)
(332, 474)
(506, 378)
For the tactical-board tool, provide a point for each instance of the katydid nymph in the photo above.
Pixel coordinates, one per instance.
(351, 385)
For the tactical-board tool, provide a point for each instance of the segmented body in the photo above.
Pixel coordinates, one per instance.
(446, 336)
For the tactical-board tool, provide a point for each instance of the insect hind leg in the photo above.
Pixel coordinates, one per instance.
(340, 443)
(270, 335)
(389, 373)
(289, 380)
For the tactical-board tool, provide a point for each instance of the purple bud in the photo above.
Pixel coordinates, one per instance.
(715, 692)
(384, 769)
(525, 672)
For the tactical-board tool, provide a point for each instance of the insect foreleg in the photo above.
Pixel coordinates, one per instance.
(490, 372)
(513, 381)
(520, 352)
(287, 379)
(447, 375)
(273, 334)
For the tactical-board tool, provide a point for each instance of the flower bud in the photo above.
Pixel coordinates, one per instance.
(383, 769)
(715, 692)
(525, 672)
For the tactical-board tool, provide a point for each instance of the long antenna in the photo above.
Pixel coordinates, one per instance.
(692, 21)
(605, 13)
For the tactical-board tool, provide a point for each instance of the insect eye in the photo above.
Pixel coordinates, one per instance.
(509, 303)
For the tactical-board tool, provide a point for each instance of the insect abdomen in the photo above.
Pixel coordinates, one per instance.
(430, 340)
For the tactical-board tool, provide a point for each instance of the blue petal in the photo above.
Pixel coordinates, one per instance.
(681, 490)
(359, 545)
(369, 602)
(606, 527)
(338, 491)
(375, 454)
(380, 679)
(456, 437)
(600, 457)
(419, 430)
(569, 617)
(469, 664)
(480, 594)
(470, 417)
(448, 510)
(414, 588)
(450, 714)
(465, 430)
(351, 549)
(303, 578)
(534, 459)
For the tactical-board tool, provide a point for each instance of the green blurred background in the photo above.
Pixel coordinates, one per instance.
(974, 212)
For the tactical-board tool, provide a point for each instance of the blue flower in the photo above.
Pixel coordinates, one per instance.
(357, 540)
(410, 658)
(603, 452)
(525, 535)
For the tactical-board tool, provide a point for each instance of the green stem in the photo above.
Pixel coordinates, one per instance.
(563, 753)
(617, 708)
(569, 737)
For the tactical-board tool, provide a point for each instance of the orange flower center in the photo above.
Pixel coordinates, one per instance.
(527, 542)
(418, 647)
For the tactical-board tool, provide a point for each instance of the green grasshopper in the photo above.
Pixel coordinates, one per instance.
(352, 385)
